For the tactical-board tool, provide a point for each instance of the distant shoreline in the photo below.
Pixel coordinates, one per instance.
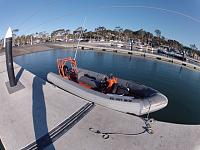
(136, 53)
(28, 49)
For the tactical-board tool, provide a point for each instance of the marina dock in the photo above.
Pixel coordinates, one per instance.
(40, 115)
(134, 53)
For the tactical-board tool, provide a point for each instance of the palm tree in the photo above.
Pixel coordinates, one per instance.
(101, 31)
(158, 34)
(119, 30)
(193, 46)
(14, 33)
(141, 33)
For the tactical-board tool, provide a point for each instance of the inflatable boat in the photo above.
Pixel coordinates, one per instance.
(124, 96)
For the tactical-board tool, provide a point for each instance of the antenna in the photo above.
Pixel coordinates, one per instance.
(79, 39)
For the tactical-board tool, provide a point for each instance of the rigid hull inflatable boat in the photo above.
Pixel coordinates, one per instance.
(125, 96)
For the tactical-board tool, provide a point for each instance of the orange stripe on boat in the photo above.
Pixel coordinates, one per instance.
(85, 85)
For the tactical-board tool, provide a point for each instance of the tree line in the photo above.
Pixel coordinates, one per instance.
(118, 33)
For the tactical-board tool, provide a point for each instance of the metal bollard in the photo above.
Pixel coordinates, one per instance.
(9, 58)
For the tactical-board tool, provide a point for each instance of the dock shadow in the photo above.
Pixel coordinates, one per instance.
(42, 136)
(19, 74)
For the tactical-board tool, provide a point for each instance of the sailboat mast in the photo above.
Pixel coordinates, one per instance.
(79, 39)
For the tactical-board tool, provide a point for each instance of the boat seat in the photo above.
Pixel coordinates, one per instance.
(122, 90)
(90, 81)
(114, 88)
(87, 75)
(141, 91)
(119, 90)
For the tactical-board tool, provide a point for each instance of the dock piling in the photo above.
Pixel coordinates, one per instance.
(12, 85)
(9, 58)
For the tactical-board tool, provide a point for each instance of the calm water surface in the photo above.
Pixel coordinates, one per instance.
(180, 85)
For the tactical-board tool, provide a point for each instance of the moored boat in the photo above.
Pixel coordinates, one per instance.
(125, 96)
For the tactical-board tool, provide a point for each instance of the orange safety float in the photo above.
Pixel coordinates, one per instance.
(64, 70)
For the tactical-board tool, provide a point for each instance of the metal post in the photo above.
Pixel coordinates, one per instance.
(131, 45)
(9, 58)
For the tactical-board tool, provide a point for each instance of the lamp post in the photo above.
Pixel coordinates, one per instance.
(131, 44)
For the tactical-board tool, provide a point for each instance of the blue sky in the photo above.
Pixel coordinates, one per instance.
(177, 19)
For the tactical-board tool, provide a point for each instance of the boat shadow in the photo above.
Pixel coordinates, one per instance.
(182, 118)
(42, 136)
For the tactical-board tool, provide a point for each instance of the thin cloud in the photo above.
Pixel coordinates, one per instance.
(158, 8)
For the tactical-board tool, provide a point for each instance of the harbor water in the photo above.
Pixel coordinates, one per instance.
(179, 84)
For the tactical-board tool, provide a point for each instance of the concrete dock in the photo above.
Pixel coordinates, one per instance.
(41, 116)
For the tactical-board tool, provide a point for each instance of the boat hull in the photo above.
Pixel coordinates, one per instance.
(149, 101)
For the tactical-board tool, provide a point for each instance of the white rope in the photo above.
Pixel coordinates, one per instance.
(148, 121)
(149, 109)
